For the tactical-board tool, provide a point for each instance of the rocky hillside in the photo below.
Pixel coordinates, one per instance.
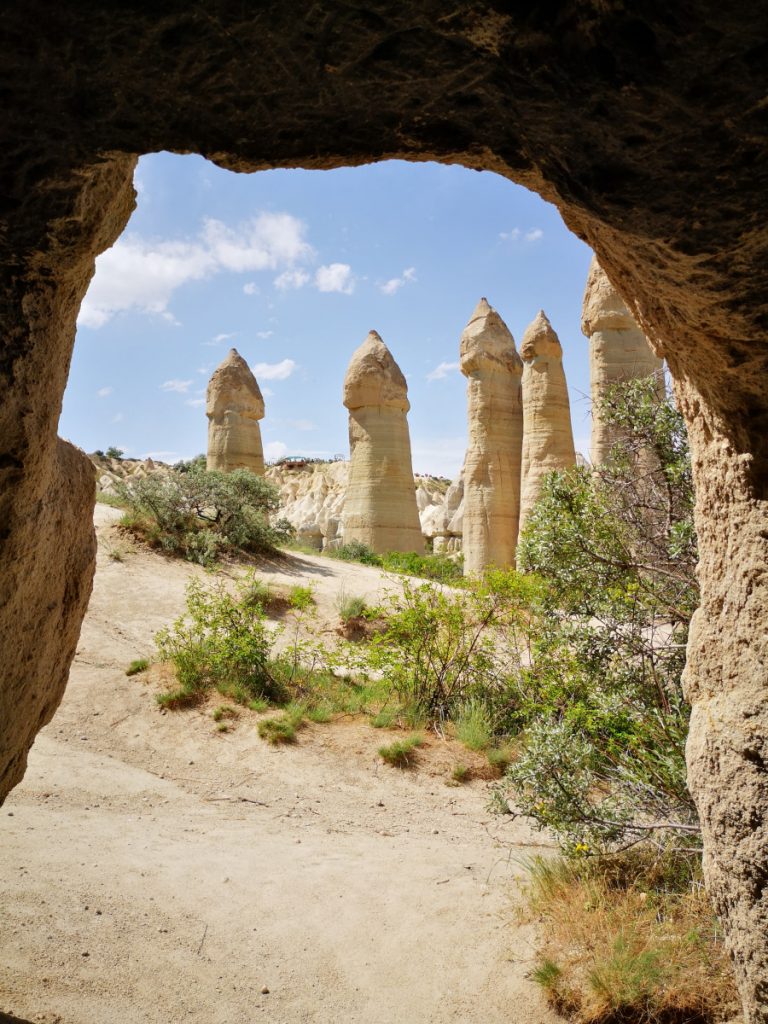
(313, 498)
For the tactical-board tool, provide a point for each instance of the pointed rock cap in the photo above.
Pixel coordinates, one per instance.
(603, 308)
(233, 387)
(487, 344)
(540, 340)
(374, 378)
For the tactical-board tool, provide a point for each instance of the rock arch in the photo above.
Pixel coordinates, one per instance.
(646, 126)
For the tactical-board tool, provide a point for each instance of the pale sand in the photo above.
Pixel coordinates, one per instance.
(155, 870)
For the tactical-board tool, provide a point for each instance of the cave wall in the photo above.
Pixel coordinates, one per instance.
(644, 123)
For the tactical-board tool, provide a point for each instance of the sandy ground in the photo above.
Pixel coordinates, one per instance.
(155, 870)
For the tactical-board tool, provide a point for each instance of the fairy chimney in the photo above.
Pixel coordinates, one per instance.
(547, 432)
(234, 406)
(618, 350)
(493, 370)
(380, 506)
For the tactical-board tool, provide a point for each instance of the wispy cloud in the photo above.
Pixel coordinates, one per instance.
(274, 371)
(264, 334)
(162, 456)
(195, 402)
(517, 235)
(179, 386)
(442, 370)
(118, 418)
(142, 274)
(103, 392)
(292, 279)
(335, 277)
(394, 284)
(251, 288)
(275, 449)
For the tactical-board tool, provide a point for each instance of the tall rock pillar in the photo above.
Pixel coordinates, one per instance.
(618, 350)
(547, 432)
(380, 506)
(234, 406)
(495, 419)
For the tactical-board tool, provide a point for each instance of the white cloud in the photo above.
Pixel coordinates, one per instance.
(117, 418)
(275, 449)
(160, 456)
(195, 402)
(291, 279)
(204, 369)
(103, 392)
(251, 288)
(142, 274)
(267, 392)
(516, 234)
(274, 371)
(179, 386)
(442, 370)
(264, 334)
(442, 456)
(335, 277)
(396, 283)
(217, 339)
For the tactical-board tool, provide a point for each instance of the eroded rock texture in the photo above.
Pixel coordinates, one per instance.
(493, 369)
(547, 430)
(644, 124)
(380, 507)
(234, 406)
(618, 350)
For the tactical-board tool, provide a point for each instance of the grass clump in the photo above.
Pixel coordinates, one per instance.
(428, 566)
(350, 607)
(461, 773)
(473, 725)
(282, 728)
(136, 666)
(631, 938)
(402, 753)
(225, 711)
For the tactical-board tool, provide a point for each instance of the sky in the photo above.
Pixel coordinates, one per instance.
(293, 268)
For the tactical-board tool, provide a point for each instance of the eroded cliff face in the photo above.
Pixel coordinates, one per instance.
(646, 127)
(380, 507)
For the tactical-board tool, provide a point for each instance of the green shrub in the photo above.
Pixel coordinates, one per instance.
(473, 725)
(429, 566)
(355, 551)
(352, 607)
(402, 753)
(114, 453)
(201, 514)
(136, 666)
(221, 643)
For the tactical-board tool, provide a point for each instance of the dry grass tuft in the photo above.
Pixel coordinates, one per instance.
(630, 938)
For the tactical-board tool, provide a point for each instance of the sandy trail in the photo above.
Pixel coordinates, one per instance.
(155, 870)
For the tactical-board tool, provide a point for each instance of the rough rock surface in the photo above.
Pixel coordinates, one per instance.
(443, 522)
(234, 406)
(547, 431)
(493, 370)
(380, 508)
(618, 350)
(645, 126)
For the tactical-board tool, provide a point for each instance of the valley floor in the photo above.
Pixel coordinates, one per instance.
(154, 870)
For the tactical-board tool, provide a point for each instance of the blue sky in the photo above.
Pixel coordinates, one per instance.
(293, 268)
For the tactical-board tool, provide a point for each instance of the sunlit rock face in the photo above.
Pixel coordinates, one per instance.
(618, 350)
(234, 406)
(380, 508)
(547, 431)
(493, 370)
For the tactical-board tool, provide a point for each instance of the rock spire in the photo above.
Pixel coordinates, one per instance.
(618, 350)
(234, 406)
(547, 432)
(493, 370)
(380, 508)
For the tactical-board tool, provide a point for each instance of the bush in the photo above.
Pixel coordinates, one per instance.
(136, 666)
(429, 567)
(600, 700)
(355, 551)
(221, 643)
(200, 515)
(114, 453)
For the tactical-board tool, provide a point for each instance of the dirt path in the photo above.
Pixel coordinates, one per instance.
(155, 870)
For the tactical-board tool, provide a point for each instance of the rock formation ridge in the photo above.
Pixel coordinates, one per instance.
(234, 406)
